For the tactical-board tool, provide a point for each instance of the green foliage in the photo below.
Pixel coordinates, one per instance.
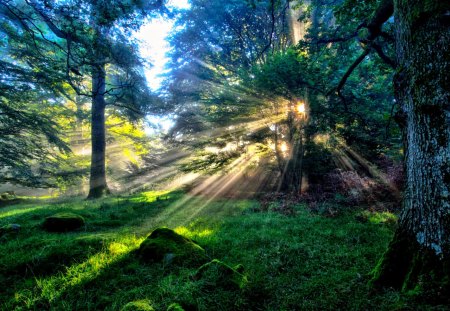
(209, 162)
(139, 305)
(30, 142)
(214, 47)
(50, 51)
(175, 307)
(218, 82)
(301, 261)
(284, 74)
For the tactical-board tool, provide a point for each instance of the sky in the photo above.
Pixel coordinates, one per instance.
(154, 47)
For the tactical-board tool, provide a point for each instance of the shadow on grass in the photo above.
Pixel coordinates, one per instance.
(36, 254)
(304, 261)
(126, 278)
(301, 262)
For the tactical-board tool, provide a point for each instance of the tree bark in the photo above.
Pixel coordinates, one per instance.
(97, 183)
(419, 254)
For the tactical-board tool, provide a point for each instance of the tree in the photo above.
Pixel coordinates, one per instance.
(28, 131)
(419, 254)
(420, 250)
(215, 44)
(211, 81)
(91, 38)
(28, 134)
(218, 81)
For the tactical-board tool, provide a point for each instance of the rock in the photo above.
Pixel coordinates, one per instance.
(165, 245)
(8, 198)
(218, 274)
(175, 307)
(63, 222)
(10, 228)
(8, 195)
(138, 305)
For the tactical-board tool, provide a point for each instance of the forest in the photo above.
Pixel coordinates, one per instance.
(286, 155)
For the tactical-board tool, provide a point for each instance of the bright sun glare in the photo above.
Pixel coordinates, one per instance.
(301, 108)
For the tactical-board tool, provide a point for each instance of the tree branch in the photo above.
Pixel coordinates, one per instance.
(58, 32)
(382, 14)
(349, 72)
(383, 56)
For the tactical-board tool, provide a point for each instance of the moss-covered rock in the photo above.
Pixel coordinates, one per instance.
(218, 274)
(8, 198)
(138, 305)
(175, 307)
(63, 222)
(9, 229)
(165, 245)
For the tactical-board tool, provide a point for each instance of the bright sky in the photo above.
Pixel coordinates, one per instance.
(154, 48)
(154, 45)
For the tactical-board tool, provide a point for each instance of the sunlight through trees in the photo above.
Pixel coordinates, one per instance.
(283, 144)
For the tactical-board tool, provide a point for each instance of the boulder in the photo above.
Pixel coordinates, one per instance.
(8, 198)
(167, 246)
(63, 222)
(9, 229)
(138, 305)
(8, 195)
(218, 274)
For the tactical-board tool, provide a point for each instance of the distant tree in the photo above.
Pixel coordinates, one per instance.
(90, 39)
(217, 83)
(214, 44)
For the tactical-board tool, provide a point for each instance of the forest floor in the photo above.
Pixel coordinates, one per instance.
(294, 261)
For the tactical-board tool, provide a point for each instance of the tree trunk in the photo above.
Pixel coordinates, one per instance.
(291, 177)
(420, 251)
(97, 184)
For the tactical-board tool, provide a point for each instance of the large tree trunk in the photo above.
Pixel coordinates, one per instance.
(97, 184)
(420, 251)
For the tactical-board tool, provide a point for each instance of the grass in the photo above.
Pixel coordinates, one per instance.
(298, 262)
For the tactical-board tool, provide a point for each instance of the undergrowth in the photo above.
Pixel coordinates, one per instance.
(296, 261)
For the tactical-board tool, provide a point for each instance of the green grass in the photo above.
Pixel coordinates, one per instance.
(299, 262)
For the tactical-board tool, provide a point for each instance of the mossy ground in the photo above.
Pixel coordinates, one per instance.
(302, 261)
